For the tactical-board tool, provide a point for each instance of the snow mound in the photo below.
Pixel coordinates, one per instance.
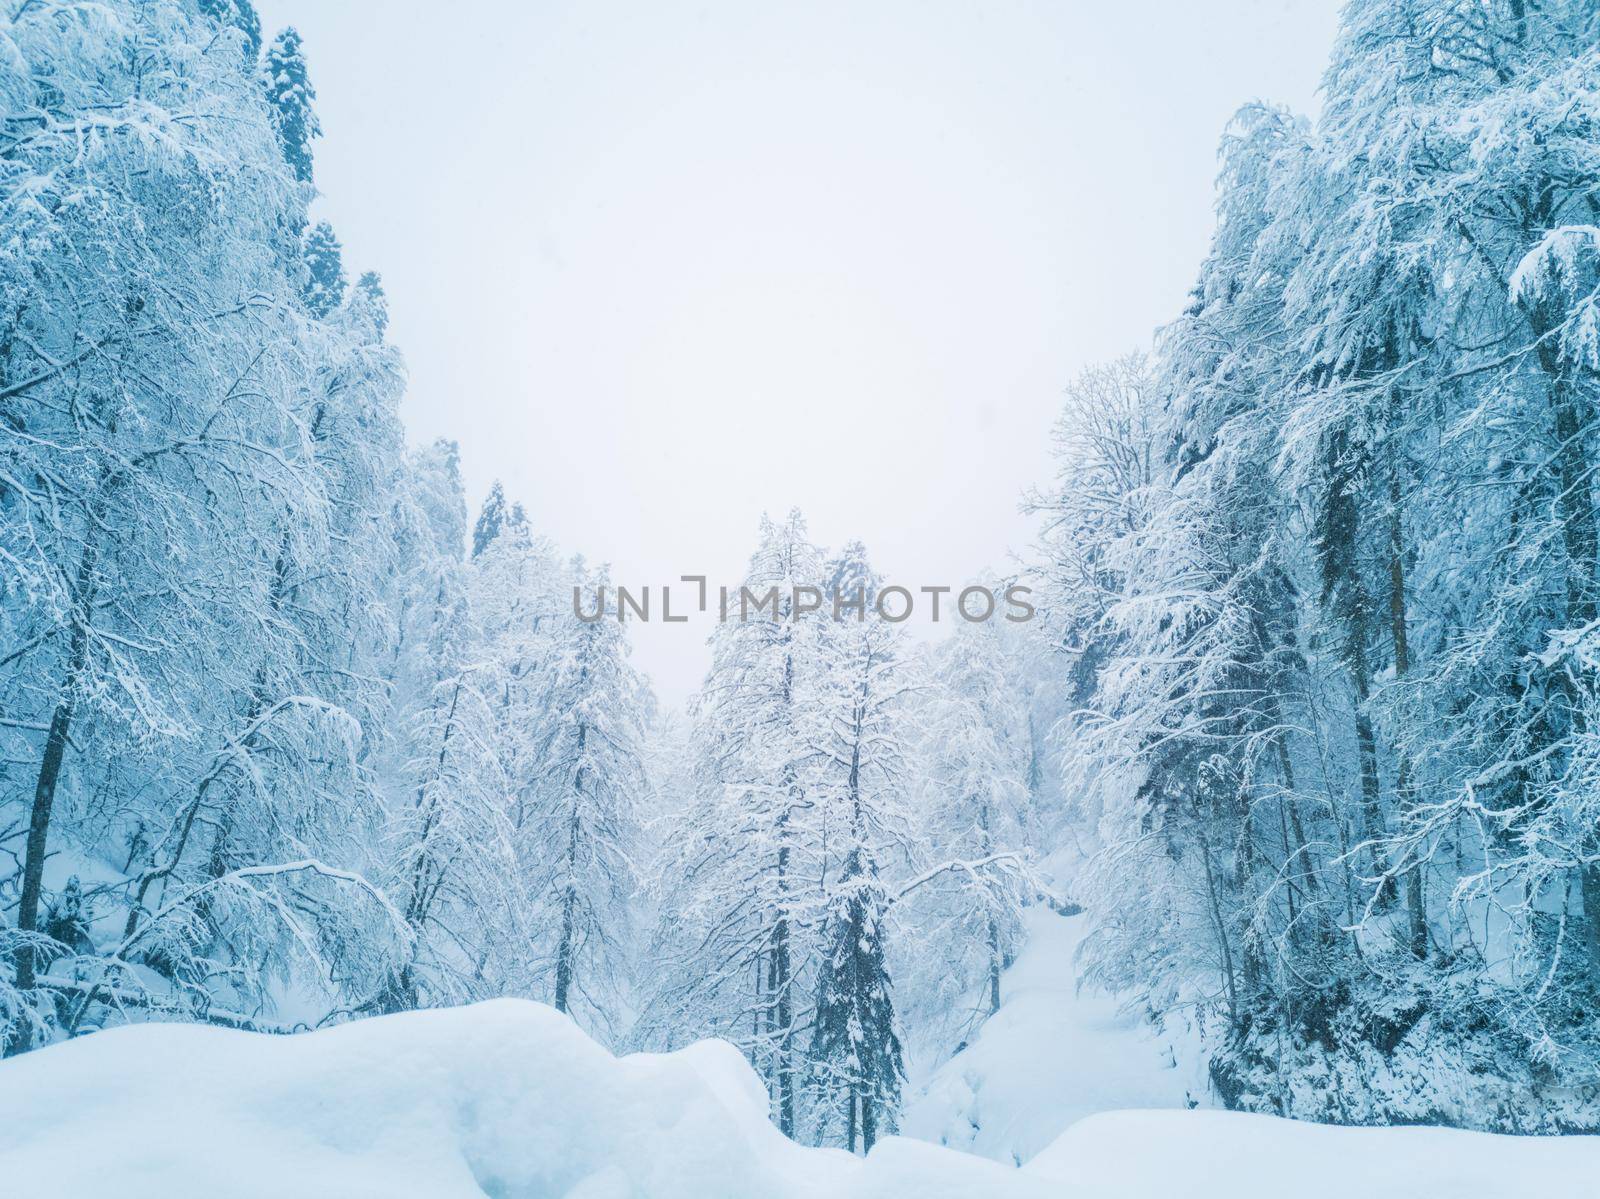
(1235, 1155)
(510, 1100)
(1051, 1056)
(506, 1099)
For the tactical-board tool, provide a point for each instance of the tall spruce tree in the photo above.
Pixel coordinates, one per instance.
(325, 279)
(491, 519)
(291, 96)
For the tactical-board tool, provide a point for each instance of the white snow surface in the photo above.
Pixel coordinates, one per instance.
(509, 1099)
(1052, 1055)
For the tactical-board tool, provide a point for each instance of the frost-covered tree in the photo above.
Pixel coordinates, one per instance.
(859, 780)
(175, 510)
(741, 894)
(491, 519)
(974, 753)
(586, 797)
(370, 299)
(1336, 686)
(291, 95)
(325, 280)
(240, 15)
(310, 753)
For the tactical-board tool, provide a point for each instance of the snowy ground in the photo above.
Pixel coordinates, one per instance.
(510, 1100)
(1050, 1057)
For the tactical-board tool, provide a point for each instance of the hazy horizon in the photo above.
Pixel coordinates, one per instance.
(663, 268)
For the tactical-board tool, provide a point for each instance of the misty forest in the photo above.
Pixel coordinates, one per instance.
(1296, 773)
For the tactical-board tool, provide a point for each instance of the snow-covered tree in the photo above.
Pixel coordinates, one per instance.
(975, 753)
(372, 301)
(741, 893)
(240, 15)
(491, 519)
(290, 94)
(325, 280)
(175, 510)
(586, 795)
(1336, 676)
(859, 779)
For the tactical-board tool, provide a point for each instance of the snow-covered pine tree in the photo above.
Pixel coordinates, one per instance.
(370, 299)
(240, 15)
(325, 280)
(491, 518)
(855, 1041)
(859, 778)
(290, 94)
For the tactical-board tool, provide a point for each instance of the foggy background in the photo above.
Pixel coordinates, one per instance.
(661, 267)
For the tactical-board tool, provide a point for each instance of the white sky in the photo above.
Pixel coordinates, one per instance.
(661, 266)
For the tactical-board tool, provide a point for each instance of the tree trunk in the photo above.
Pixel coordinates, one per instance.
(569, 901)
(985, 848)
(1579, 537)
(55, 749)
(1367, 751)
(783, 1011)
(995, 966)
(1223, 941)
(1416, 900)
(564, 954)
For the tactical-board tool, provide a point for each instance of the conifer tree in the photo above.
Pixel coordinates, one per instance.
(371, 300)
(491, 519)
(859, 779)
(325, 280)
(291, 95)
(242, 15)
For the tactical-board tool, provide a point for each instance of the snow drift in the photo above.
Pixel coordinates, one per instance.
(509, 1099)
(1053, 1054)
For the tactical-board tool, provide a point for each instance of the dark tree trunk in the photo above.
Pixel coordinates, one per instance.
(1416, 900)
(783, 1013)
(569, 902)
(49, 777)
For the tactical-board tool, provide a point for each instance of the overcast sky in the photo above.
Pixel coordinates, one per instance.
(663, 266)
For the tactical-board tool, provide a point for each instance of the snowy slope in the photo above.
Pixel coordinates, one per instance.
(509, 1099)
(1234, 1155)
(1049, 1057)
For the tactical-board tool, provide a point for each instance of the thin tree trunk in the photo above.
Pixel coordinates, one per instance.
(783, 1009)
(995, 966)
(569, 901)
(55, 749)
(1223, 941)
(985, 848)
(564, 954)
(1580, 539)
(1416, 901)
(1291, 809)
(1367, 752)
(1582, 544)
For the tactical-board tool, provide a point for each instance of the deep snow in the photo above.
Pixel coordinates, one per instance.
(509, 1099)
(1052, 1054)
